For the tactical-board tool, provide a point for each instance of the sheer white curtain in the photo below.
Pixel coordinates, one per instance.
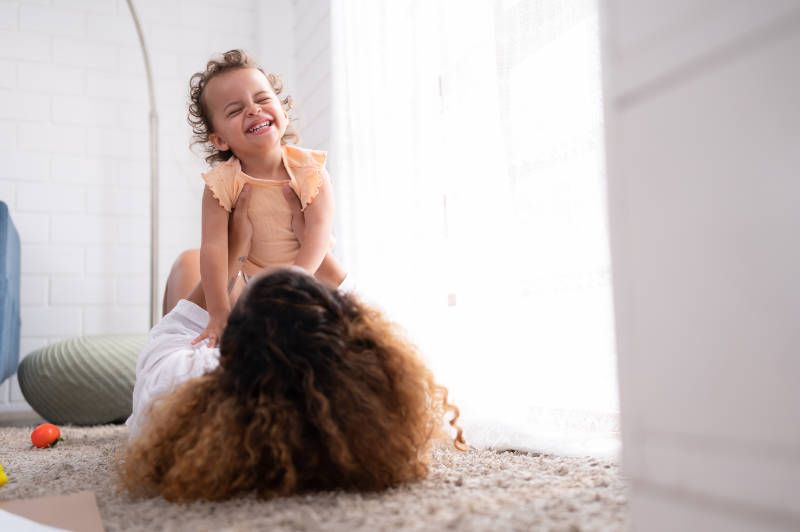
(468, 163)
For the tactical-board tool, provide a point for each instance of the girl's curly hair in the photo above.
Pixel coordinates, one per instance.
(315, 390)
(199, 117)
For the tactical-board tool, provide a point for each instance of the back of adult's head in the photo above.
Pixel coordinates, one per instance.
(315, 390)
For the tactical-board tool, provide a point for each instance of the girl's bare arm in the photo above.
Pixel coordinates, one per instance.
(319, 224)
(214, 267)
(330, 271)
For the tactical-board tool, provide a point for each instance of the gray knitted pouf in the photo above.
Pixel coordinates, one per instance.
(82, 381)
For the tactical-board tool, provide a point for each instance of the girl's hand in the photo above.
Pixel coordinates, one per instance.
(213, 331)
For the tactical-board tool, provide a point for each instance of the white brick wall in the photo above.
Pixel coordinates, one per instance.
(33, 77)
(74, 145)
(25, 46)
(49, 20)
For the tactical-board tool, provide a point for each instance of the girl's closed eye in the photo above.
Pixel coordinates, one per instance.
(233, 113)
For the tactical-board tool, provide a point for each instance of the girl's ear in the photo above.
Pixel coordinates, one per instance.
(217, 141)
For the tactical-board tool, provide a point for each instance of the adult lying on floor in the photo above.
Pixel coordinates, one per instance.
(310, 389)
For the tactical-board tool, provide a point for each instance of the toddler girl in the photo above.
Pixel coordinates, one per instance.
(236, 112)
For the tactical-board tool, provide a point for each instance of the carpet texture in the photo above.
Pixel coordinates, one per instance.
(477, 490)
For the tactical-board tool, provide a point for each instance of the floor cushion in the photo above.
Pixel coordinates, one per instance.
(86, 380)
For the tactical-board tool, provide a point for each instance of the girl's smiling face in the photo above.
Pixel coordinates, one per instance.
(245, 112)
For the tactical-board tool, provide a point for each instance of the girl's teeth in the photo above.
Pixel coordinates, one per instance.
(259, 128)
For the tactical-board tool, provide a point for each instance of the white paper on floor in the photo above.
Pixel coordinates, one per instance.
(9, 521)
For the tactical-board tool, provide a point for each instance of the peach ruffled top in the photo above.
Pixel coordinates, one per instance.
(274, 243)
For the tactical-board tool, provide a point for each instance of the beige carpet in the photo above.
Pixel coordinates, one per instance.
(478, 490)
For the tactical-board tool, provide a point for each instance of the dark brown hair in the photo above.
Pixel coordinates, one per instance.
(199, 117)
(315, 390)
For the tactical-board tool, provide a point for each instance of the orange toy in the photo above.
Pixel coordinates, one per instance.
(45, 435)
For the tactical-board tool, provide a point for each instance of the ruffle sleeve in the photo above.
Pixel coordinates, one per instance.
(308, 172)
(223, 182)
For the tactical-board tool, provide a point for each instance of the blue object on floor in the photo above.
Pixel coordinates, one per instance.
(9, 295)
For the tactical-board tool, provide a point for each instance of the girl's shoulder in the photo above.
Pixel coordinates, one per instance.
(224, 171)
(225, 182)
(299, 157)
(307, 170)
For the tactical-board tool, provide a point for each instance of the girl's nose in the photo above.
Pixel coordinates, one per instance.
(255, 108)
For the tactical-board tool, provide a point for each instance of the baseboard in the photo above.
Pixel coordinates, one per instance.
(19, 418)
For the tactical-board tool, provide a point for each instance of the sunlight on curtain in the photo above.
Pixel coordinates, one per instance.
(468, 169)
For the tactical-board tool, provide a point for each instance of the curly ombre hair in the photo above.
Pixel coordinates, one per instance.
(315, 390)
(199, 117)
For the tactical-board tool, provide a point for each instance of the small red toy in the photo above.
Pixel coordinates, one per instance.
(45, 435)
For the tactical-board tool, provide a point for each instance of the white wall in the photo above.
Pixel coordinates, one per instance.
(274, 40)
(702, 131)
(304, 28)
(313, 87)
(74, 149)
